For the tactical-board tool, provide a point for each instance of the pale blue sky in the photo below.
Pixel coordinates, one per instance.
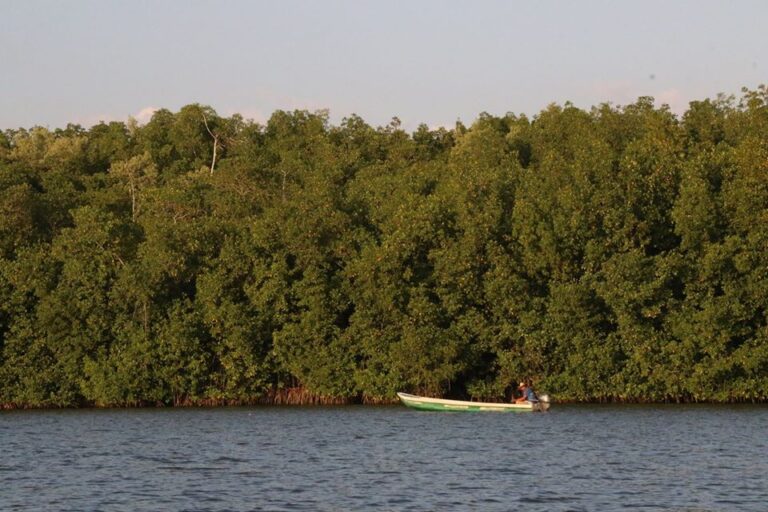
(423, 61)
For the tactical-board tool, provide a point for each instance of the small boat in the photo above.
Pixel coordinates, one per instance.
(441, 404)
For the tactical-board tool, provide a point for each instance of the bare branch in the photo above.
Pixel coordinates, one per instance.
(215, 142)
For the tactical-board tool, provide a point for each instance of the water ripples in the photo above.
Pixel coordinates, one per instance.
(385, 458)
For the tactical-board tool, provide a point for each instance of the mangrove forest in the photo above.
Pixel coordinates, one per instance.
(618, 253)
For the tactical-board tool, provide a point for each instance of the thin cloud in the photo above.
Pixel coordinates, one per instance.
(252, 114)
(618, 91)
(89, 121)
(144, 115)
(674, 98)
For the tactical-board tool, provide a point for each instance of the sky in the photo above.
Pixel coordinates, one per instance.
(424, 61)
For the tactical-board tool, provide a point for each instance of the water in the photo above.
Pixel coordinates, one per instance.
(692, 458)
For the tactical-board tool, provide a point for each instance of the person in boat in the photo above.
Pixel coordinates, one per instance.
(528, 394)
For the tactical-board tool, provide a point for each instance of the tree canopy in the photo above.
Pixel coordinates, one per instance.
(618, 253)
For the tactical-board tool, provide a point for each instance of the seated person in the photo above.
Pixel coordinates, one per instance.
(528, 394)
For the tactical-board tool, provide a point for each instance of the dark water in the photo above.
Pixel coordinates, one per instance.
(691, 458)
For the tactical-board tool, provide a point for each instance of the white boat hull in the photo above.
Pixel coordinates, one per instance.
(442, 404)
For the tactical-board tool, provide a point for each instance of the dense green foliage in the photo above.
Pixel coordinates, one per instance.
(618, 253)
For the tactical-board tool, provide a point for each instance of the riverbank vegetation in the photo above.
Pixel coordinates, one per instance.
(611, 254)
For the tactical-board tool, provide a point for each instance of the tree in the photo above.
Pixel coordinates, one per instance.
(135, 175)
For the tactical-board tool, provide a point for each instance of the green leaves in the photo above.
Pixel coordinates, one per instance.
(615, 254)
(135, 174)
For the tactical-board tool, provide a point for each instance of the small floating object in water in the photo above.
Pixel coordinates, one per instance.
(442, 404)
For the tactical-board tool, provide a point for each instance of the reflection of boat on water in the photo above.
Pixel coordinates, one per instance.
(441, 404)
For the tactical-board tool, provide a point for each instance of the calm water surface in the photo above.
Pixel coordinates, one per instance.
(692, 458)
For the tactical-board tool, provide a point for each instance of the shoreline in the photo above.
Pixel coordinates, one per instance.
(304, 399)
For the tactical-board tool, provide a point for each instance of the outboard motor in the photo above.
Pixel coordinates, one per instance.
(543, 403)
